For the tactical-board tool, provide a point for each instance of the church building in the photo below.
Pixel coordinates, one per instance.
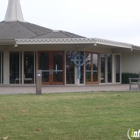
(64, 58)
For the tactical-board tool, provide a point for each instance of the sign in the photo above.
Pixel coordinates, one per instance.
(132, 134)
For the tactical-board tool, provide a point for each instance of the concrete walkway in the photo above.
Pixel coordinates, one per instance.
(59, 89)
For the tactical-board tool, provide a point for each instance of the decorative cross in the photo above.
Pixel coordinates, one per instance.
(79, 61)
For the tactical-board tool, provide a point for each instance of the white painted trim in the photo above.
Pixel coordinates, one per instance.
(75, 75)
(73, 41)
(113, 69)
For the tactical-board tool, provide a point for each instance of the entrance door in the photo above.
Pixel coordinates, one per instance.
(92, 68)
(52, 66)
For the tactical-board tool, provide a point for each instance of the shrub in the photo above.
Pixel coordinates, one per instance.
(126, 76)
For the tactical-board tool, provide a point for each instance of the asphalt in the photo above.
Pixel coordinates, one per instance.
(64, 89)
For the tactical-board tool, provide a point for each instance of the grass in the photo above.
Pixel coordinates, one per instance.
(69, 116)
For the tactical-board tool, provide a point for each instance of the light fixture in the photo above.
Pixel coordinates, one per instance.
(16, 45)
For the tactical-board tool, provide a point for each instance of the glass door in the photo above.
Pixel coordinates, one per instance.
(95, 67)
(44, 65)
(28, 67)
(88, 68)
(52, 66)
(92, 68)
(15, 68)
(58, 68)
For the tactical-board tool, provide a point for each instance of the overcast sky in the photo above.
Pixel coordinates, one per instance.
(117, 20)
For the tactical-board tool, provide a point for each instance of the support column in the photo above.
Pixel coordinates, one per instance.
(36, 65)
(65, 68)
(113, 69)
(77, 81)
(6, 67)
(120, 68)
(106, 68)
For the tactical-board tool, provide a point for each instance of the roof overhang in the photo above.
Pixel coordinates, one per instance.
(134, 47)
(72, 41)
(8, 42)
(88, 42)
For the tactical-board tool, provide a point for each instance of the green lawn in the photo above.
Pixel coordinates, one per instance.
(69, 116)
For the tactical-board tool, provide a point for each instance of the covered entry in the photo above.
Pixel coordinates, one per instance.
(52, 65)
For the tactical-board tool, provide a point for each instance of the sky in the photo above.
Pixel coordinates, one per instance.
(117, 20)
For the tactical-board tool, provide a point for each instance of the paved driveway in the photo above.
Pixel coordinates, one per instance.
(58, 89)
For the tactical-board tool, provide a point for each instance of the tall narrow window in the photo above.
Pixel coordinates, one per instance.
(117, 59)
(58, 72)
(109, 59)
(88, 68)
(95, 67)
(92, 68)
(70, 78)
(102, 64)
(82, 71)
(28, 67)
(15, 68)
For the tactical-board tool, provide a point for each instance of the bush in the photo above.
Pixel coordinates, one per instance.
(126, 76)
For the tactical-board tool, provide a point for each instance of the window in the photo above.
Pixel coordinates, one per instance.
(117, 59)
(102, 64)
(106, 68)
(70, 68)
(28, 67)
(109, 63)
(15, 68)
(22, 67)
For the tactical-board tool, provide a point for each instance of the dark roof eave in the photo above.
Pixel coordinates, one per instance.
(135, 47)
(7, 42)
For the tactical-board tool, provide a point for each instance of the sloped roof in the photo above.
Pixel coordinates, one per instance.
(25, 30)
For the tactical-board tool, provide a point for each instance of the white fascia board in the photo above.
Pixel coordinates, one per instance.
(113, 43)
(72, 41)
(56, 41)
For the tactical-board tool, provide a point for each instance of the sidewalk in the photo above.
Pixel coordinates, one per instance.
(60, 89)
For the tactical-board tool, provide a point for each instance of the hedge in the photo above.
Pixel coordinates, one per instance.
(126, 76)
